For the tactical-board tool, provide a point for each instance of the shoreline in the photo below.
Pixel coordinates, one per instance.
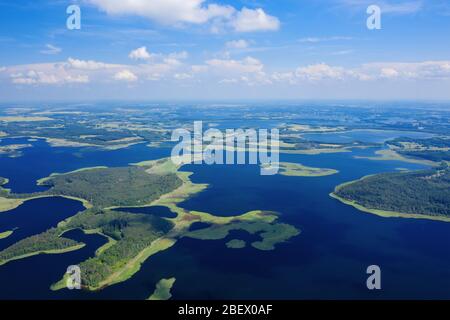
(383, 213)
(55, 251)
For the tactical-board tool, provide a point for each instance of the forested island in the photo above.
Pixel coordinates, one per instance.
(298, 170)
(417, 194)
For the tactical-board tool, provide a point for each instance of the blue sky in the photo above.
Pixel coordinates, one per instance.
(196, 49)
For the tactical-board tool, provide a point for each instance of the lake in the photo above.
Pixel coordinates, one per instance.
(328, 260)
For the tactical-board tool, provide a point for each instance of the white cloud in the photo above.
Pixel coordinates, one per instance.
(319, 72)
(247, 65)
(249, 71)
(288, 77)
(398, 71)
(89, 64)
(426, 70)
(249, 20)
(51, 49)
(166, 11)
(173, 12)
(389, 73)
(33, 77)
(182, 76)
(140, 54)
(237, 44)
(125, 75)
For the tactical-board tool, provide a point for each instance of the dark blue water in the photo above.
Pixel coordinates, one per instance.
(198, 226)
(31, 278)
(36, 216)
(327, 260)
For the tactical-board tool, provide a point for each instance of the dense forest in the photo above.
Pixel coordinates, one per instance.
(48, 240)
(107, 187)
(420, 192)
(133, 233)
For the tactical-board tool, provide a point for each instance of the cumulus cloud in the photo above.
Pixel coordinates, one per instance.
(389, 73)
(319, 72)
(249, 71)
(427, 70)
(246, 65)
(166, 11)
(288, 77)
(125, 75)
(33, 77)
(248, 20)
(72, 71)
(140, 54)
(169, 12)
(89, 64)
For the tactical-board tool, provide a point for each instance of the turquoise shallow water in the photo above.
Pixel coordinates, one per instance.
(327, 261)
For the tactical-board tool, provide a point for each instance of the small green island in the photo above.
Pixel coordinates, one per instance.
(163, 288)
(299, 170)
(423, 194)
(6, 234)
(133, 238)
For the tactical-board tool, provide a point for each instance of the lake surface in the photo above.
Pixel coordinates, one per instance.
(36, 216)
(328, 260)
